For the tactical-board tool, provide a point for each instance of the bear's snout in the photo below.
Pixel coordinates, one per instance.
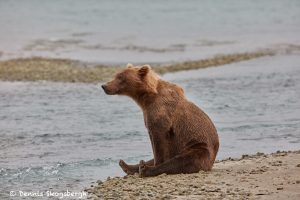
(104, 87)
(108, 89)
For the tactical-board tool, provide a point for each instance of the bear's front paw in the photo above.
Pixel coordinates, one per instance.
(142, 169)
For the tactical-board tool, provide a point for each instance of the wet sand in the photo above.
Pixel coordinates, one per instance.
(260, 176)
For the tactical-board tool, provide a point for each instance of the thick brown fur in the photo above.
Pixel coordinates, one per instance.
(183, 138)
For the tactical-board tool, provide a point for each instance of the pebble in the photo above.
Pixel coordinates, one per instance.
(260, 154)
(245, 156)
(150, 194)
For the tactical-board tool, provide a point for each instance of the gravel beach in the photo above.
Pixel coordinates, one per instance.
(66, 70)
(260, 176)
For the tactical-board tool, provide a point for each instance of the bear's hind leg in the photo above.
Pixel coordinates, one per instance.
(189, 161)
(132, 169)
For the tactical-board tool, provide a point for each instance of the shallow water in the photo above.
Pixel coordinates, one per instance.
(63, 136)
(144, 31)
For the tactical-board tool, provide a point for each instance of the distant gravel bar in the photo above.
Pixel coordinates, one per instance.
(273, 176)
(64, 70)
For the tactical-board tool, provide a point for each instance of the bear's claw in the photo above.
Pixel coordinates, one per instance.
(142, 168)
(124, 166)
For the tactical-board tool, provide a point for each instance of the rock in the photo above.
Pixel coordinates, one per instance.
(150, 194)
(212, 189)
(260, 154)
(162, 175)
(245, 156)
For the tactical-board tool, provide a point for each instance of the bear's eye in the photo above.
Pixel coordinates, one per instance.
(121, 78)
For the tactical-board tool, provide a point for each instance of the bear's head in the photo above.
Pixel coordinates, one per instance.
(133, 81)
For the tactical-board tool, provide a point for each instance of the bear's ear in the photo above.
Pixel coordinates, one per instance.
(129, 65)
(143, 71)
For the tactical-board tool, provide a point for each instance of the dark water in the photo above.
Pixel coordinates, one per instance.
(144, 31)
(63, 136)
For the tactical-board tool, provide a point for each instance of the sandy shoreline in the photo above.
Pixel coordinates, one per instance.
(260, 176)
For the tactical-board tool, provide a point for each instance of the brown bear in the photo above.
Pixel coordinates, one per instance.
(183, 138)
